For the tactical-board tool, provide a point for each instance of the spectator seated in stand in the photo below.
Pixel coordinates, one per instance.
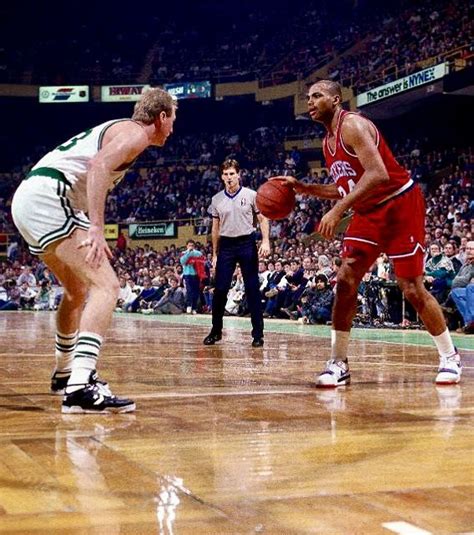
(297, 282)
(27, 296)
(126, 294)
(235, 304)
(276, 286)
(145, 298)
(462, 293)
(160, 283)
(173, 300)
(13, 294)
(44, 299)
(317, 301)
(26, 276)
(450, 252)
(439, 273)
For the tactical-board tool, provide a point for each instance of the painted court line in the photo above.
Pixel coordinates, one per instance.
(167, 395)
(405, 528)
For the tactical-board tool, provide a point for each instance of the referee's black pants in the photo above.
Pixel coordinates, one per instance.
(242, 250)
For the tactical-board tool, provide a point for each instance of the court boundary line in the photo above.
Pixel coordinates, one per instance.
(198, 321)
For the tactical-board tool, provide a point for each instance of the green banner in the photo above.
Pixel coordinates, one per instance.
(152, 230)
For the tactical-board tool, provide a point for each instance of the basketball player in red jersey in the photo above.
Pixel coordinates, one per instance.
(389, 216)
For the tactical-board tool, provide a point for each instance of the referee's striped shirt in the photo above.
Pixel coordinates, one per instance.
(236, 213)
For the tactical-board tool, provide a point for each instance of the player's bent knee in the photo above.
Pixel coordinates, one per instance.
(346, 284)
(105, 283)
(104, 298)
(113, 288)
(414, 291)
(76, 295)
(348, 280)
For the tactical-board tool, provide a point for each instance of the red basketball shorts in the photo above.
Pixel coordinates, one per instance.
(396, 228)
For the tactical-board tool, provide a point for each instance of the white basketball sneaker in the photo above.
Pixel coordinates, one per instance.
(336, 374)
(450, 370)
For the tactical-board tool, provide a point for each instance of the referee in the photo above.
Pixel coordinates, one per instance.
(233, 241)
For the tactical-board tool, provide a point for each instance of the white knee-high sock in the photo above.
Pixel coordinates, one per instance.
(444, 343)
(339, 344)
(85, 360)
(64, 352)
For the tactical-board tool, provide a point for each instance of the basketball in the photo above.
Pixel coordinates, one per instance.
(275, 198)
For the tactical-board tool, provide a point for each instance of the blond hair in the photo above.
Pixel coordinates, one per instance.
(151, 104)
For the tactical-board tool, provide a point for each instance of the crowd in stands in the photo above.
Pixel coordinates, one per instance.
(402, 44)
(184, 42)
(273, 42)
(109, 47)
(298, 278)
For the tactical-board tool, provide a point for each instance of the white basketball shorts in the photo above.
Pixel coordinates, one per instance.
(42, 211)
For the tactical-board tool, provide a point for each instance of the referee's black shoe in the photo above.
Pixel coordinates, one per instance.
(212, 338)
(257, 342)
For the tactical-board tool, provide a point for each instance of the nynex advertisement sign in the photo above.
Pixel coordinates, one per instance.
(403, 84)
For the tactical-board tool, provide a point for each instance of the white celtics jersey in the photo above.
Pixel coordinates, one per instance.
(72, 158)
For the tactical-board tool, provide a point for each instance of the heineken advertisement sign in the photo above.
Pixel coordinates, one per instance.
(152, 230)
(416, 79)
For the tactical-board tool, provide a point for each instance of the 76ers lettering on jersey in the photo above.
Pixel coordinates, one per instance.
(342, 173)
(346, 170)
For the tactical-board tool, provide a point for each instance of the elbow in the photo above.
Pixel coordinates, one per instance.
(383, 177)
(98, 165)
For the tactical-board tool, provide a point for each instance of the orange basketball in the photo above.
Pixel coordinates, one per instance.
(275, 198)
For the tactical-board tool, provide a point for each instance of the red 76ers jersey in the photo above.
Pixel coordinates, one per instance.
(346, 170)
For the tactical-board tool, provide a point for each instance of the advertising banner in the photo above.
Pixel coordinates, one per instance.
(63, 94)
(403, 84)
(122, 93)
(138, 231)
(111, 231)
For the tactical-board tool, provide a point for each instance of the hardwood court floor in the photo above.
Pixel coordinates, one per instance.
(234, 440)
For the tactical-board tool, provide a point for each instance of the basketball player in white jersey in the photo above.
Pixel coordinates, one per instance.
(49, 210)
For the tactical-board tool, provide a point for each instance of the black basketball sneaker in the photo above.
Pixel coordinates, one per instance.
(59, 382)
(93, 400)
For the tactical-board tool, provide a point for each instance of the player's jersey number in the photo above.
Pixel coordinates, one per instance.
(350, 186)
(72, 142)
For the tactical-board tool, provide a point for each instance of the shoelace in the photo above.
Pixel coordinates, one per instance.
(103, 388)
(452, 358)
(339, 363)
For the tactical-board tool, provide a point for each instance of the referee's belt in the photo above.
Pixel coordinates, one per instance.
(237, 239)
(49, 172)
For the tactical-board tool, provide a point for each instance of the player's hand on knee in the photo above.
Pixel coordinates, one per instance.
(98, 248)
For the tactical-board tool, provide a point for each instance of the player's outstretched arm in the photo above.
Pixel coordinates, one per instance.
(122, 147)
(323, 191)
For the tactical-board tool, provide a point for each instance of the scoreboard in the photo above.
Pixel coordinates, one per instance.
(189, 89)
